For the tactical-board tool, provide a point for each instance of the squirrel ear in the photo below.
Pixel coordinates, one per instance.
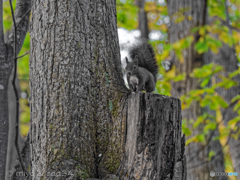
(127, 60)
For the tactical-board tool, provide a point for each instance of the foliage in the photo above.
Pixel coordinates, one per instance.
(7, 17)
(210, 77)
(127, 14)
(211, 37)
(206, 96)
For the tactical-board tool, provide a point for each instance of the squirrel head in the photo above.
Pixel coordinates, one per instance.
(131, 67)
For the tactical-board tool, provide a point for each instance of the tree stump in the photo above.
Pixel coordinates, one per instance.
(154, 147)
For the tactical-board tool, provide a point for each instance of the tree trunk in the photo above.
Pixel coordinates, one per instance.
(5, 70)
(227, 58)
(154, 148)
(142, 19)
(196, 155)
(77, 89)
(78, 99)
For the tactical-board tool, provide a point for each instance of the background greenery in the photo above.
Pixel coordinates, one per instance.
(206, 95)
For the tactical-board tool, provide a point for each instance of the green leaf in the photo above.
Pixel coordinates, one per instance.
(217, 68)
(200, 138)
(217, 8)
(201, 46)
(234, 121)
(211, 154)
(205, 82)
(235, 73)
(210, 126)
(203, 72)
(227, 83)
(213, 43)
(221, 102)
(198, 122)
(180, 77)
(213, 101)
(209, 100)
(185, 129)
(195, 29)
(210, 90)
(235, 98)
(190, 140)
(163, 87)
(179, 19)
(237, 106)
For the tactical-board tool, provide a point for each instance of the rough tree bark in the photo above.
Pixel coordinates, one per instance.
(76, 92)
(6, 64)
(142, 19)
(154, 147)
(78, 100)
(197, 168)
(5, 71)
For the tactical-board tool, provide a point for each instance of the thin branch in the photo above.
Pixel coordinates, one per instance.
(15, 90)
(24, 16)
(23, 55)
(26, 157)
(1, 24)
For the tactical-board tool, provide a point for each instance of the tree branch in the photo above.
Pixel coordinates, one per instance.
(14, 29)
(23, 55)
(1, 25)
(22, 14)
(26, 159)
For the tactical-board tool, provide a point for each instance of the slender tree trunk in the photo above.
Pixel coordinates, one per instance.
(142, 19)
(196, 155)
(5, 70)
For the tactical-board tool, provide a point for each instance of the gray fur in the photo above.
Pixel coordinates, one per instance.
(142, 71)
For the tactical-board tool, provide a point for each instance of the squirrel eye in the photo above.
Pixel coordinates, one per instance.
(129, 73)
(134, 67)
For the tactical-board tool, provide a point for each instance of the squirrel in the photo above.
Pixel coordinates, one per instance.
(143, 70)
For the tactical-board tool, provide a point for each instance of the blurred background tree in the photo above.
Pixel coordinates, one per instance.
(197, 43)
(23, 70)
(198, 50)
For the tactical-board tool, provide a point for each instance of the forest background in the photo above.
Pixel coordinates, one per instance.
(207, 99)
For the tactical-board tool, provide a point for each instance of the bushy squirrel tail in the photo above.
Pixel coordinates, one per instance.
(143, 55)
